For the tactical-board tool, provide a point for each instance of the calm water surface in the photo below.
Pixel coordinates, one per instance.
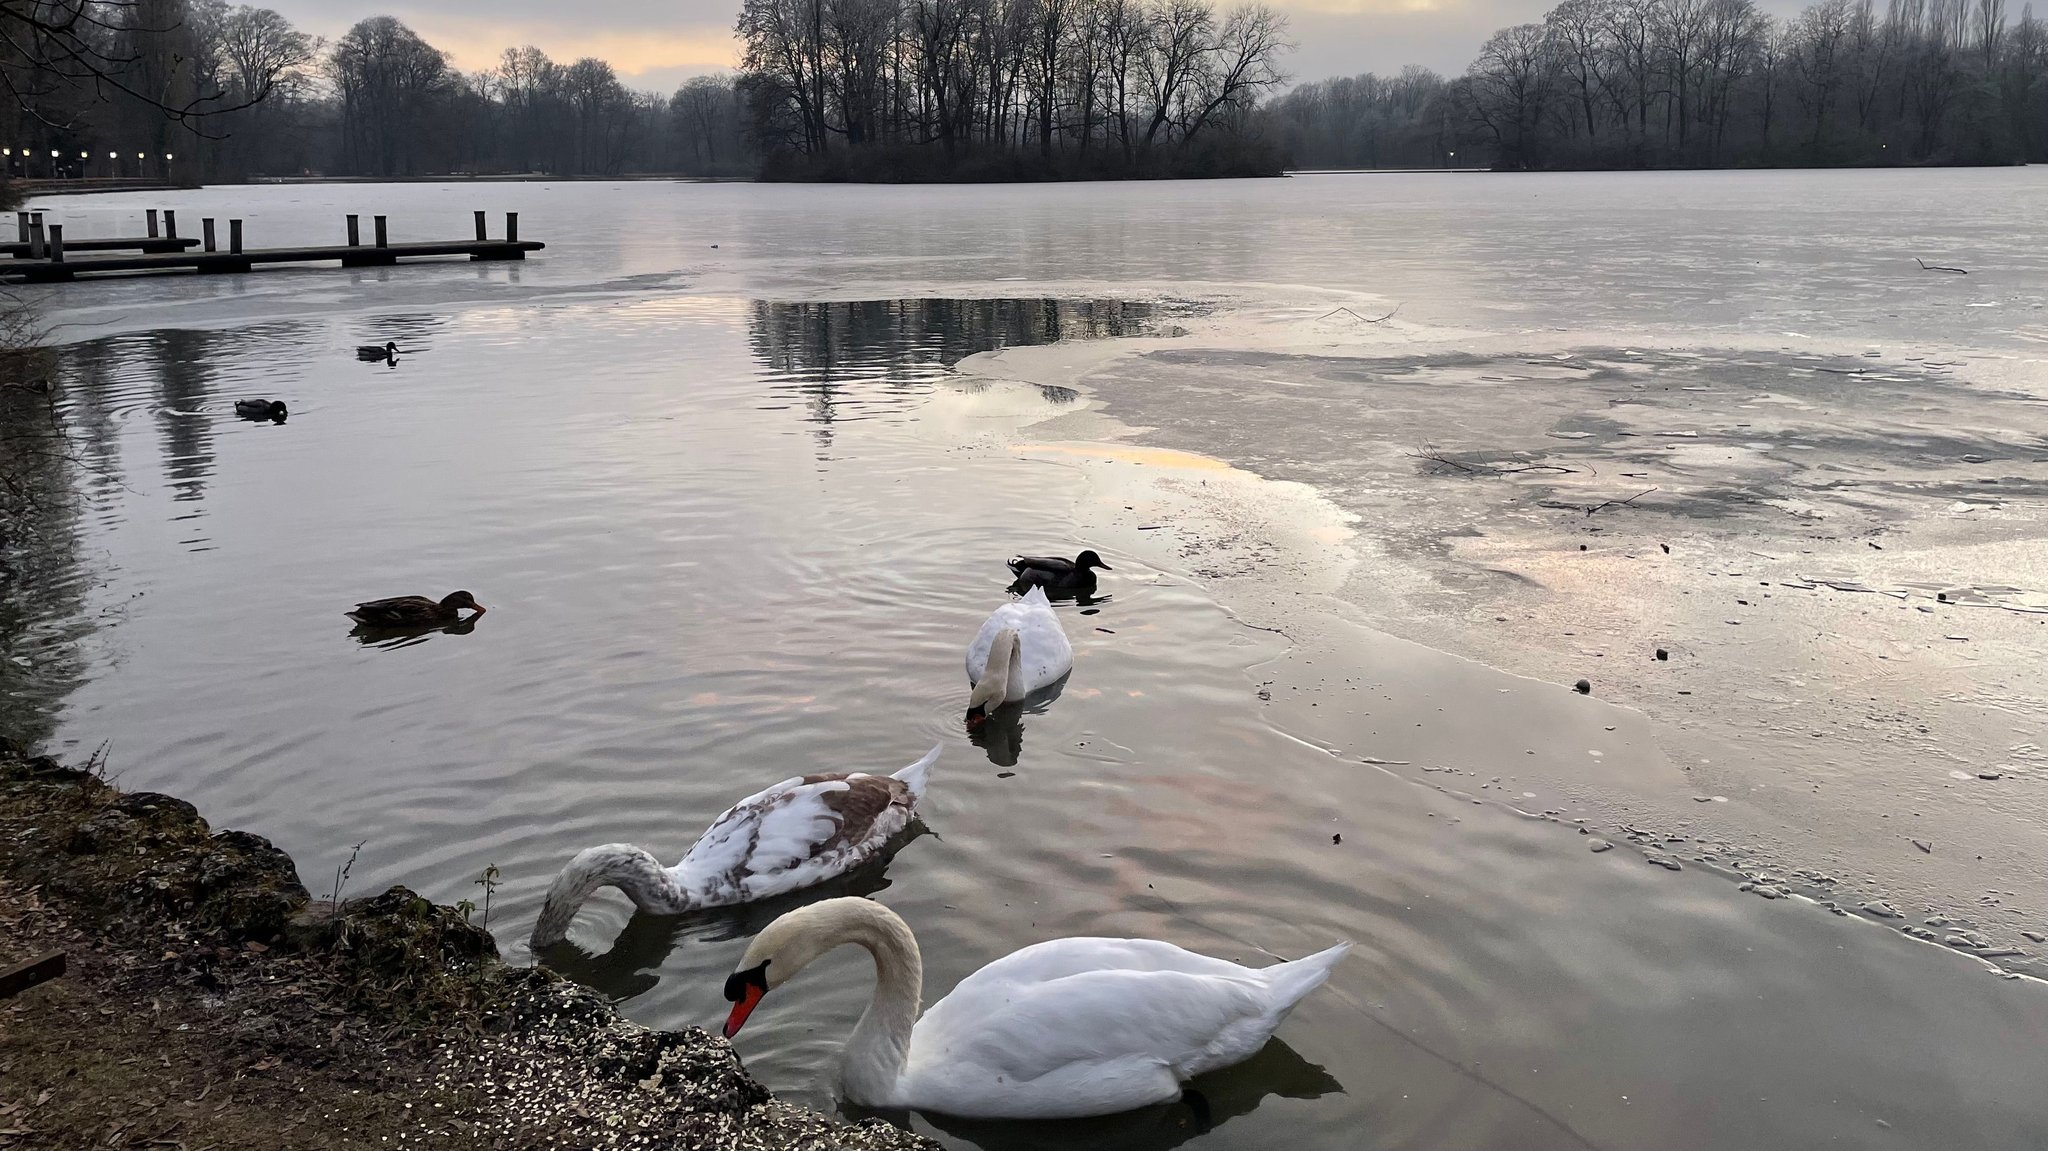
(729, 532)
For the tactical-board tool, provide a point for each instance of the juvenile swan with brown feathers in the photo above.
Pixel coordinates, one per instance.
(800, 832)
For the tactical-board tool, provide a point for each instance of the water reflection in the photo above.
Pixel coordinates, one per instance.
(1000, 733)
(184, 376)
(841, 361)
(1211, 1101)
(43, 580)
(411, 331)
(391, 638)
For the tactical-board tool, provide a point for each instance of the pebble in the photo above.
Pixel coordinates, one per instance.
(1664, 862)
(2035, 936)
(1990, 775)
(1882, 910)
(1583, 687)
(1662, 654)
(1600, 845)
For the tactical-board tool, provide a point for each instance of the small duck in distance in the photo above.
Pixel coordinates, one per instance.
(415, 610)
(254, 409)
(793, 835)
(1059, 577)
(371, 353)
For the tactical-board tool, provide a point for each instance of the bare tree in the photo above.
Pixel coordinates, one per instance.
(1507, 91)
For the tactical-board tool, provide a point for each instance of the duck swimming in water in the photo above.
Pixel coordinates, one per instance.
(1060, 577)
(371, 353)
(272, 410)
(799, 833)
(415, 610)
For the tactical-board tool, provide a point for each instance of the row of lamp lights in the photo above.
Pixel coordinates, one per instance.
(14, 158)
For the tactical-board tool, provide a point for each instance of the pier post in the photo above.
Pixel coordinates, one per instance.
(482, 233)
(355, 233)
(511, 227)
(152, 223)
(206, 232)
(235, 237)
(56, 243)
(21, 225)
(383, 241)
(171, 223)
(35, 235)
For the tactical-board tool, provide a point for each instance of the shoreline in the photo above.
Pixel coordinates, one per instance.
(1708, 774)
(277, 1018)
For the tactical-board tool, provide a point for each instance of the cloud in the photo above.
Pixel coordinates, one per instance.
(655, 44)
(1371, 7)
(477, 44)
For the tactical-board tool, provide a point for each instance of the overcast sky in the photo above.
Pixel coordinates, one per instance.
(657, 43)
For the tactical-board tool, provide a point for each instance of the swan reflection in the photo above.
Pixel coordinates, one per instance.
(1000, 733)
(1212, 1100)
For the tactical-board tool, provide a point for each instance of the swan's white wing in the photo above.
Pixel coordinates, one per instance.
(796, 833)
(1045, 653)
(1051, 1030)
(1015, 614)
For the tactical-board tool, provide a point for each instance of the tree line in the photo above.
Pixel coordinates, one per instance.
(1019, 89)
(206, 90)
(930, 88)
(1704, 83)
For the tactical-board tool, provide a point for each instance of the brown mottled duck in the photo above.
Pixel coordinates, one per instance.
(415, 610)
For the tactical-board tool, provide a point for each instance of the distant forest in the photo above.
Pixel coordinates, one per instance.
(1022, 89)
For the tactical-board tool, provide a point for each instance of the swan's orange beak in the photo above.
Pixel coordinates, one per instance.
(749, 999)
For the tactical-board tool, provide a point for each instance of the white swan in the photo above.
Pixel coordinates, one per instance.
(1062, 1029)
(1019, 649)
(799, 832)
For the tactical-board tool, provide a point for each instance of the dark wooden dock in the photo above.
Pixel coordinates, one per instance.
(43, 255)
(109, 244)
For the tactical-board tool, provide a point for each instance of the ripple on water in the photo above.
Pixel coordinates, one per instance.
(717, 553)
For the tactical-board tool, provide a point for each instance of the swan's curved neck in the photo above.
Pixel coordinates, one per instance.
(1005, 663)
(881, 1040)
(650, 886)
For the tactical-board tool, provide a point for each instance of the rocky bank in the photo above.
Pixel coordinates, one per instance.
(211, 1002)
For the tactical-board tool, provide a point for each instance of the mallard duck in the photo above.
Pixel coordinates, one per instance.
(1058, 576)
(1067, 1028)
(799, 833)
(370, 353)
(1020, 649)
(260, 410)
(415, 610)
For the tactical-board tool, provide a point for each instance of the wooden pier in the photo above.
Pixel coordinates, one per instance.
(42, 255)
